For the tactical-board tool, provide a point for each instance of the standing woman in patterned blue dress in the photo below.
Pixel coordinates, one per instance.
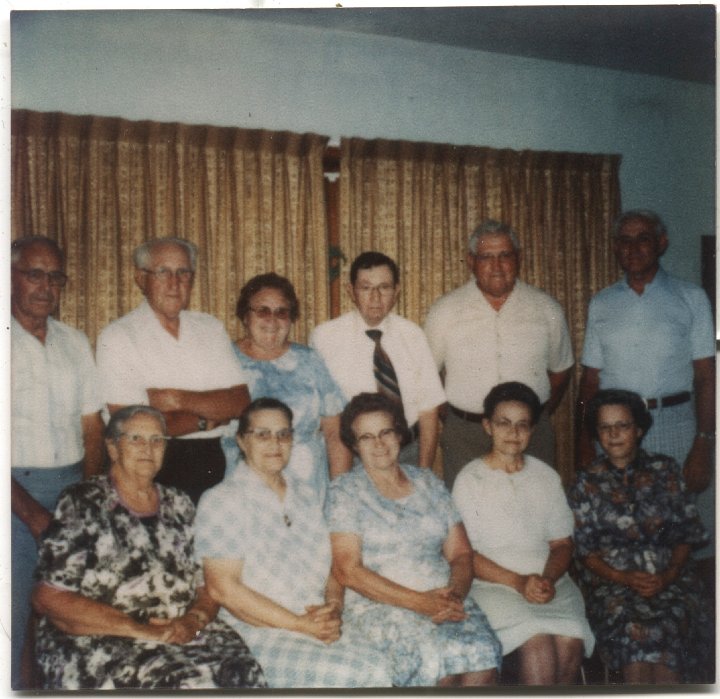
(292, 373)
(634, 529)
(400, 546)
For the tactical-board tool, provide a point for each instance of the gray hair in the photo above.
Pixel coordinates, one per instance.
(17, 247)
(645, 214)
(142, 253)
(116, 425)
(488, 228)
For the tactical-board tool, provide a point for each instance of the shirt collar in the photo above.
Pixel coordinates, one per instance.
(383, 326)
(659, 281)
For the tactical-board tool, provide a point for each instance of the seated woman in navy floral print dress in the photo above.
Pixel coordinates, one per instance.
(120, 594)
(634, 528)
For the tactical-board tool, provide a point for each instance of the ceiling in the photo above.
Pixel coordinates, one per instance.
(675, 41)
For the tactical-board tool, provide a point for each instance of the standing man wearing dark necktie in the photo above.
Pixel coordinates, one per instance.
(373, 349)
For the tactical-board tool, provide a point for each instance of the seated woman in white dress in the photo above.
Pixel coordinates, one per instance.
(265, 547)
(520, 527)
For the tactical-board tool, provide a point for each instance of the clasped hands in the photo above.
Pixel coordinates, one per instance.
(180, 630)
(537, 589)
(322, 621)
(442, 604)
(645, 584)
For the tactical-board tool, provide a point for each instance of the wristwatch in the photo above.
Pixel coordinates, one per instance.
(202, 424)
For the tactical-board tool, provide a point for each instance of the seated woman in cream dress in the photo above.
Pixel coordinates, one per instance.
(520, 527)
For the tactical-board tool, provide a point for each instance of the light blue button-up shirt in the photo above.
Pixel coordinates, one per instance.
(647, 342)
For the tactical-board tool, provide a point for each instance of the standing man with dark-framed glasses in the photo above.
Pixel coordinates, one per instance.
(372, 349)
(56, 428)
(178, 361)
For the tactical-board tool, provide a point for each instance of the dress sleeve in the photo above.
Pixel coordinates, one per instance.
(342, 506)
(685, 526)
(559, 518)
(68, 542)
(584, 506)
(332, 400)
(441, 501)
(221, 527)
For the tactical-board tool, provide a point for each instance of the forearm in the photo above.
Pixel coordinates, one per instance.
(558, 560)
(376, 587)
(334, 592)
(677, 562)
(218, 405)
(704, 388)
(486, 569)
(558, 384)
(81, 616)
(204, 606)
(596, 565)
(28, 510)
(589, 386)
(461, 574)
(339, 456)
(92, 429)
(429, 425)
(253, 607)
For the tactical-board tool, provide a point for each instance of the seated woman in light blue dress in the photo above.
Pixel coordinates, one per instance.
(265, 550)
(400, 548)
(292, 373)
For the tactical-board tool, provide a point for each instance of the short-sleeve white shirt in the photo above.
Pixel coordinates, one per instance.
(135, 353)
(53, 385)
(480, 347)
(348, 354)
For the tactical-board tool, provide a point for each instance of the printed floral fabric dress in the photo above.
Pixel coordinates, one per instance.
(634, 517)
(402, 540)
(98, 548)
(300, 379)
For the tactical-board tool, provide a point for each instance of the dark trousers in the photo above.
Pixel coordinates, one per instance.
(193, 465)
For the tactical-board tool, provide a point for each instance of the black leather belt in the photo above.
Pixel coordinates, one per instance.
(667, 401)
(465, 415)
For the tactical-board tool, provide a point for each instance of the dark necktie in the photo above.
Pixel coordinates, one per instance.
(385, 376)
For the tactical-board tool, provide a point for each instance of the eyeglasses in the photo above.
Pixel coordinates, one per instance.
(507, 426)
(604, 428)
(382, 289)
(627, 241)
(265, 312)
(385, 435)
(165, 275)
(139, 440)
(264, 435)
(504, 256)
(39, 276)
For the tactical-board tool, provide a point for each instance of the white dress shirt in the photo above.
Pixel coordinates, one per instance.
(53, 386)
(480, 347)
(135, 353)
(348, 353)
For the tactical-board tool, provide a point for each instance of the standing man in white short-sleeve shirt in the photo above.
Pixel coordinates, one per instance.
(178, 361)
(496, 328)
(348, 352)
(55, 415)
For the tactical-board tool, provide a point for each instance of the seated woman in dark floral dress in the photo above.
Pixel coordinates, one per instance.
(634, 529)
(120, 594)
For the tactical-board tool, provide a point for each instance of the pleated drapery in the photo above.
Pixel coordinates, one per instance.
(251, 200)
(418, 203)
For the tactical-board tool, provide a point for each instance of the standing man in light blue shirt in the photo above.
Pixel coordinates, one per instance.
(652, 333)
